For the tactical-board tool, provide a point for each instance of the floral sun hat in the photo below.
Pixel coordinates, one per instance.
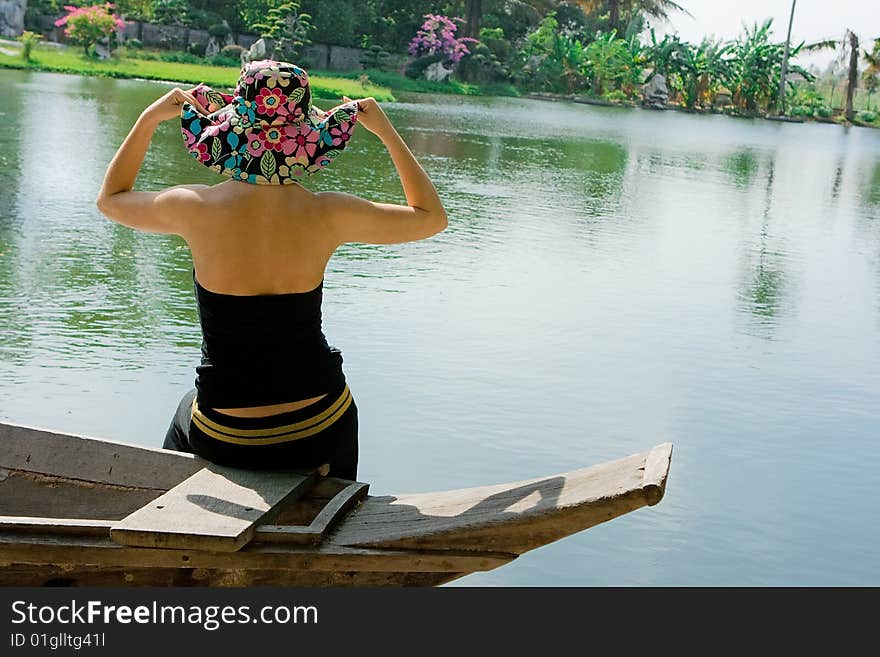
(267, 132)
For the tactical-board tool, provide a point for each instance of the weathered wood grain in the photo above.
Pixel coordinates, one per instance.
(93, 459)
(53, 575)
(514, 517)
(217, 508)
(656, 471)
(333, 511)
(36, 549)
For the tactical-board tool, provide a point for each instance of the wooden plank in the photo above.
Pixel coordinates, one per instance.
(86, 551)
(656, 470)
(77, 526)
(33, 494)
(332, 512)
(215, 509)
(93, 459)
(512, 517)
(52, 575)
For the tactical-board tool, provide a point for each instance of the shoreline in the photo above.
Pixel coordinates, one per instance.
(573, 98)
(323, 87)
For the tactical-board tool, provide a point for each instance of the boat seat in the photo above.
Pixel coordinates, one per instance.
(217, 508)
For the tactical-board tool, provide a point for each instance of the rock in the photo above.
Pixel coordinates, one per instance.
(256, 52)
(213, 48)
(654, 93)
(723, 98)
(436, 72)
(102, 49)
(12, 17)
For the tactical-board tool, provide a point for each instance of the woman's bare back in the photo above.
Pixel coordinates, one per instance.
(249, 239)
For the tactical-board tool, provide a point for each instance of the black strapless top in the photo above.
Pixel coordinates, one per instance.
(263, 349)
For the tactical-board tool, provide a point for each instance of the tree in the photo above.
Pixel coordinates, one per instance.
(702, 69)
(285, 29)
(756, 67)
(853, 78)
(85, 26)
(621, 12)
(871, 75)
(849, 50)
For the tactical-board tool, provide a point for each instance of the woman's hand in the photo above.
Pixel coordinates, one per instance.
(168, 106)
(371, 116)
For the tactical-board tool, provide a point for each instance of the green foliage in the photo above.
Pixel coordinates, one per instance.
(286, 30)
(804, 100)
(551, 59)
(171, 12)
(135, 44)
(868, 116)
(482, 65)
(197, 49)
(616, 96)
(228, 56)
(375, 57)
(219, 30)
(28, 41)
(698, 71)
(180, 57)
(756, 66)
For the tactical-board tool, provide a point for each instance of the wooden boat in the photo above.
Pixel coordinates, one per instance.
(84, 511)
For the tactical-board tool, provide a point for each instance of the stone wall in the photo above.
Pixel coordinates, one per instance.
(172, 37)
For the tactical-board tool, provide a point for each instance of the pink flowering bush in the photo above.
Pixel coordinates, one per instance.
(85, 26)
(437, 35)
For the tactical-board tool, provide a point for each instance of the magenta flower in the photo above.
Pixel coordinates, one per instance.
(437, 34)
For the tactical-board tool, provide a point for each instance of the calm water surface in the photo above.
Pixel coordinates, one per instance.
(610, 279)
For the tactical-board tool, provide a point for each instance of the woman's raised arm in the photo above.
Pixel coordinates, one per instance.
(359, 220)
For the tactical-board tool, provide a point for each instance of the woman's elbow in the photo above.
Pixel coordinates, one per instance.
(440, 223)
(103, 205)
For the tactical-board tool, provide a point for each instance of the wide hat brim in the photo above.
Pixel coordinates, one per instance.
(238, 139)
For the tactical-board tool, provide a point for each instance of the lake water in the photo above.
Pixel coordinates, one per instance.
(610, 279)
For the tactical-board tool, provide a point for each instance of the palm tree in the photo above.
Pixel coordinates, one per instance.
(621, 12)
(851, 40)
(871, 75)
(853, 78)
(474, 10)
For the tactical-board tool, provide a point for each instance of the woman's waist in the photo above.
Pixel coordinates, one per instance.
(275, 428)
(237, 386)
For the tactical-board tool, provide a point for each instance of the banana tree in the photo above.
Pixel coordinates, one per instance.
(702, 69)
(756, 67)
(606, 58)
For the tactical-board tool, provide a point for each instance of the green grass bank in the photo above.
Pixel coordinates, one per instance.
(68, 60)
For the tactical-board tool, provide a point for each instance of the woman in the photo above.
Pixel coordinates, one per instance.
(270, 391)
